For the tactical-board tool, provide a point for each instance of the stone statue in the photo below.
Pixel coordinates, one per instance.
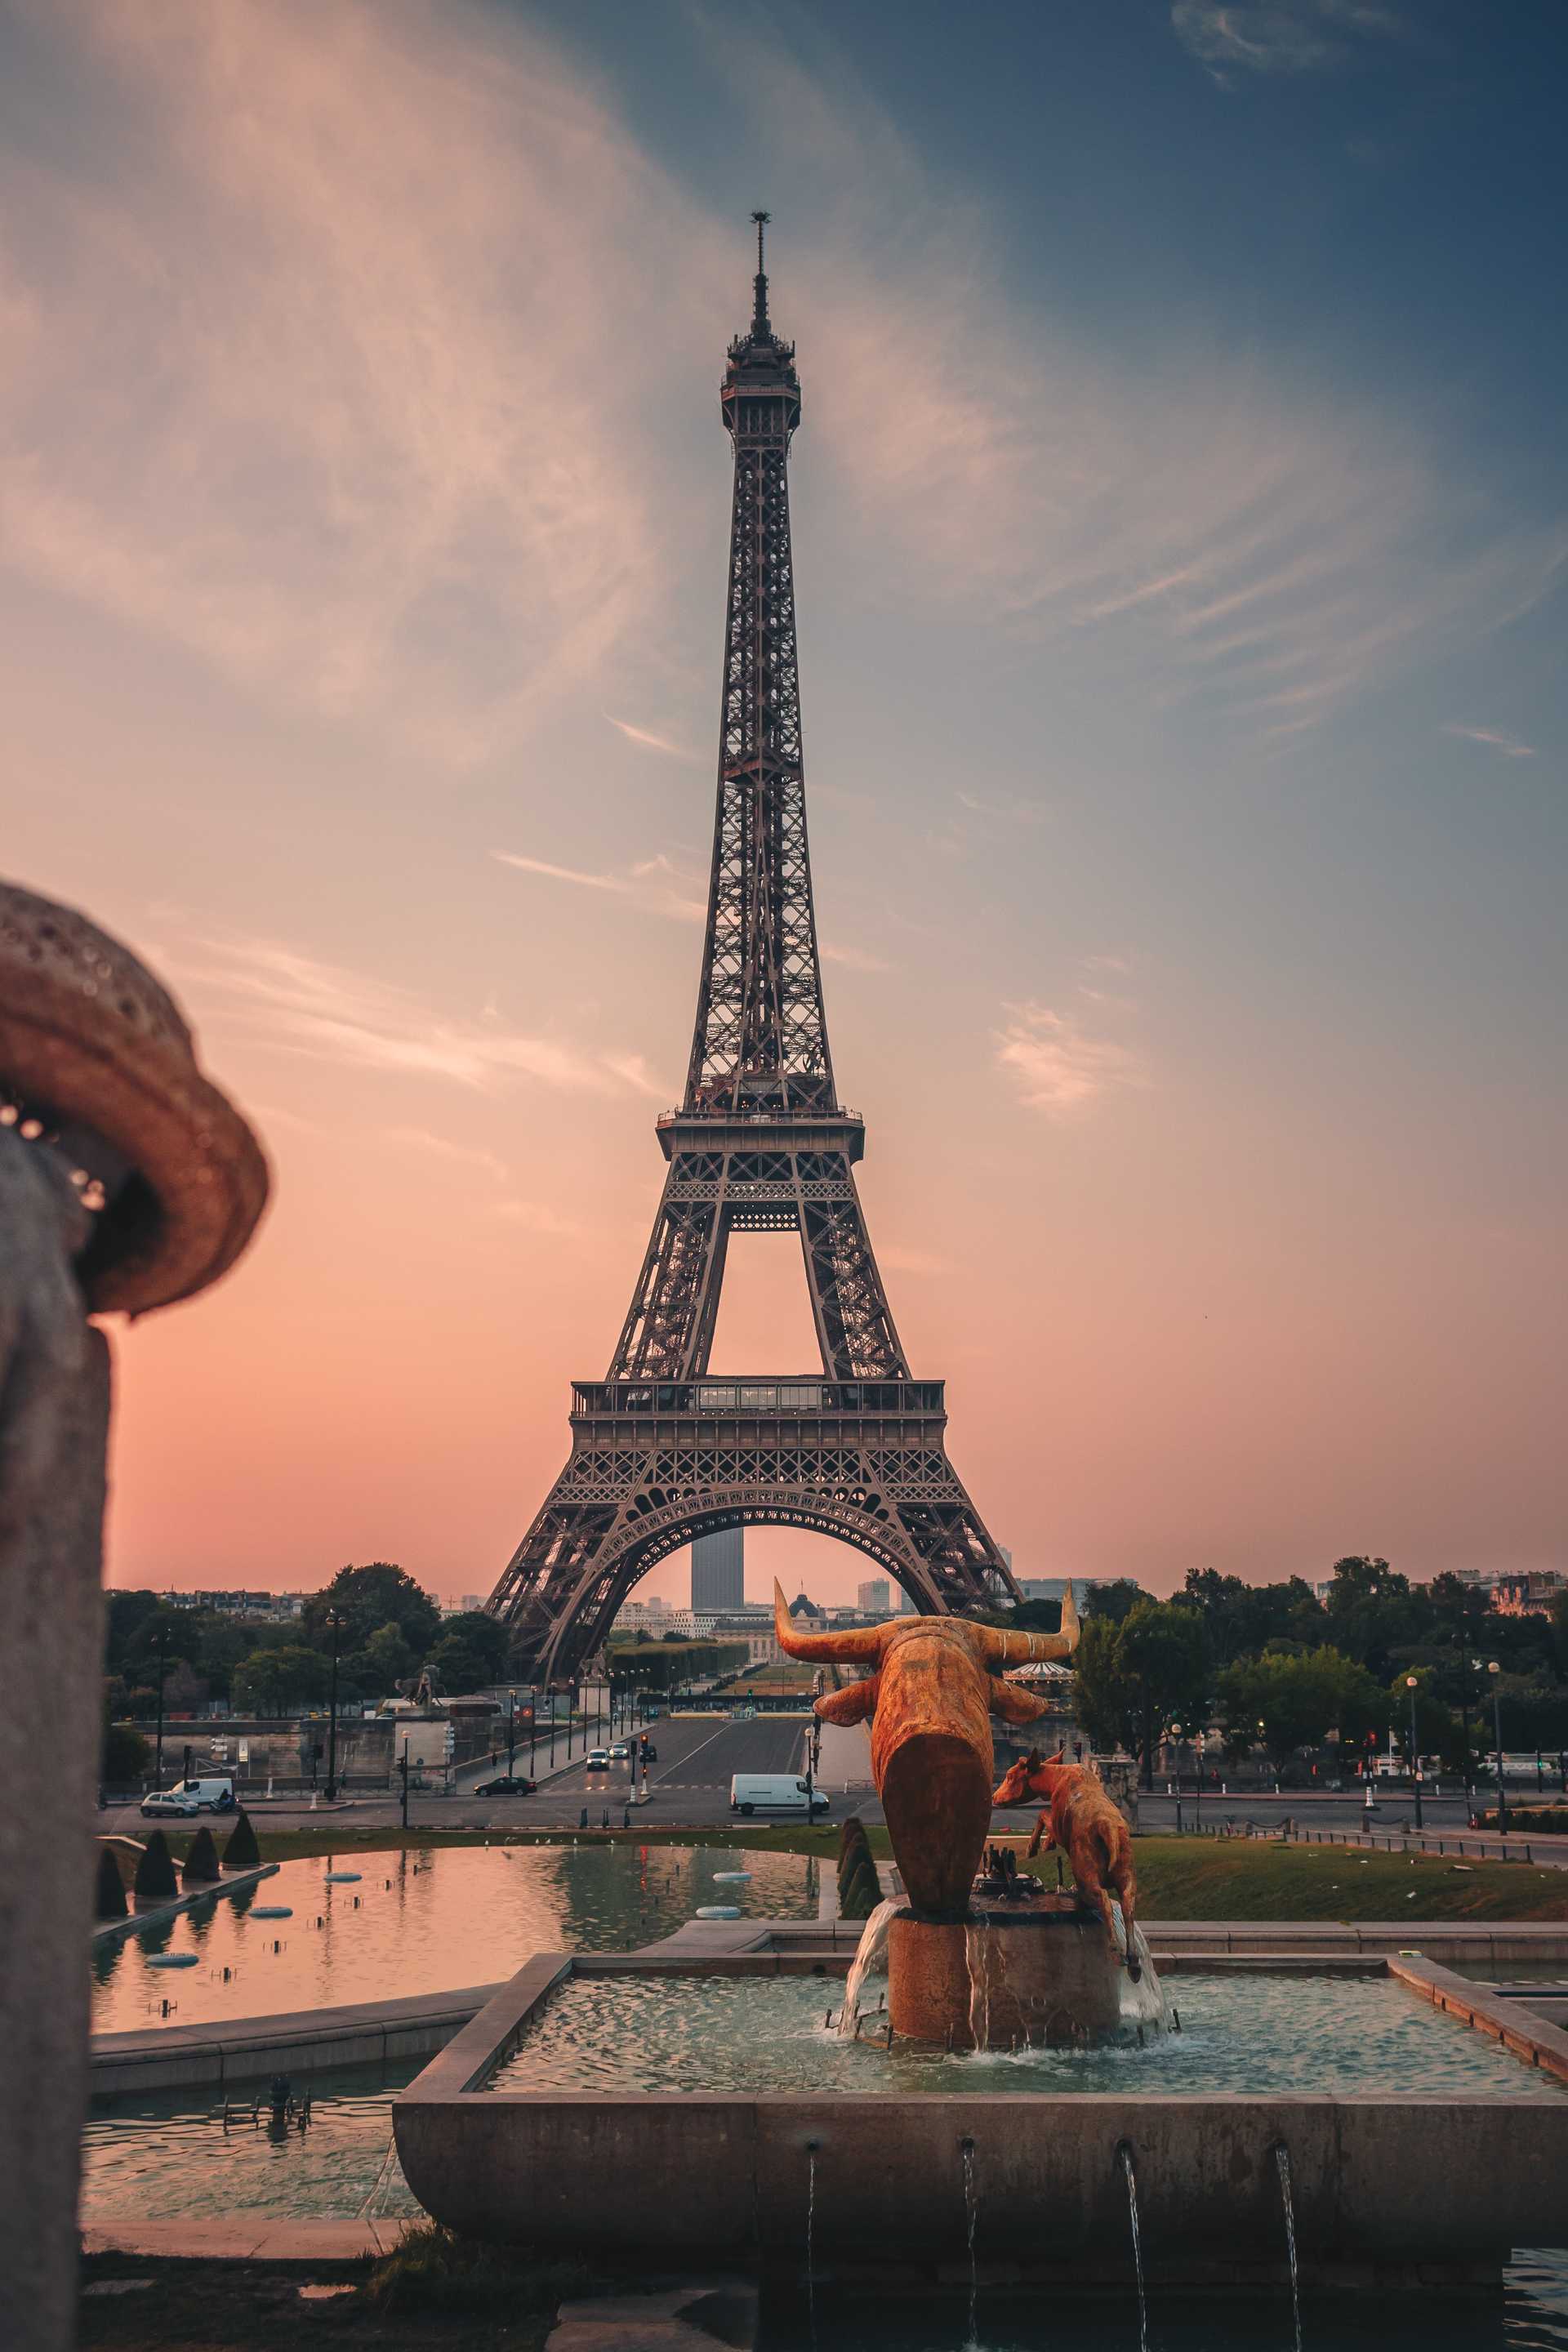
(1081, 1822)
(126, 1181)
(932, 1685)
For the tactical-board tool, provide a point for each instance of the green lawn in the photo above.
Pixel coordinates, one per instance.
(1203, 1878)
(1178, 1878)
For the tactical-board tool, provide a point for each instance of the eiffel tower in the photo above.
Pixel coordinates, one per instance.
(661, 1452)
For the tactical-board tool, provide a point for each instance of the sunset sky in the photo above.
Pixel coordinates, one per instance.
(1181, 513)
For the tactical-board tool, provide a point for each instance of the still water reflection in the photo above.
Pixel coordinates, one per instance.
(421, 1922)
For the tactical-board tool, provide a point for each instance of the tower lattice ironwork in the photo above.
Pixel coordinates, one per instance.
(660, 1451)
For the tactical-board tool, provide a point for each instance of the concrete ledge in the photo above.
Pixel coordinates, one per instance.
(261, 2238)
(1531, 2038)
(360, 2034)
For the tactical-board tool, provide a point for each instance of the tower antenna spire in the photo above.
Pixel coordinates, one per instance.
(760, 325)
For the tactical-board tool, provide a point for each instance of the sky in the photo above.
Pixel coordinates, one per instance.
(1181, 517)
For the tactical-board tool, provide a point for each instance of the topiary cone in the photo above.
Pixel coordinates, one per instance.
(202, 1863)
(110, 1902)
(155, 1880)
(241, 1852)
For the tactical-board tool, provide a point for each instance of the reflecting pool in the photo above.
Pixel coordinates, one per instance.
(172, 2155)
(427, 1921)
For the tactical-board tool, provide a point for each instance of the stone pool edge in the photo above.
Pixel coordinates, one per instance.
(1424, 2189)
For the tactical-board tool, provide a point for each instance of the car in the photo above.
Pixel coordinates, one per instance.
(648, 1753)
(213, 1794)
(509, 1784)
(598, 1759)
(620, 1752)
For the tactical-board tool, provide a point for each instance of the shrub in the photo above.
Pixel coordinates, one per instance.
(436, 2271)
(125, 1754)
(202, 1863)
(109, 1903)
(861, 1894)
(155, 1880)
(241, 1852)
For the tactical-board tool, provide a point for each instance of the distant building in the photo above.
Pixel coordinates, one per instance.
(803, 1607)
(1516, 1592)
(240, 1604)
(875, 1598)
(719, 1570)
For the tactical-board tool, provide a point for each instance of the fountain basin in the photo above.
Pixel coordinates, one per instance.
(1038, 1972)
(1412, 2186)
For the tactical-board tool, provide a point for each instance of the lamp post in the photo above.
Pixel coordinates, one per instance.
(1412, 1686)
(510, 1733)
(1176, 1736)
(1493, 1668)
(335, 1626)
(162, 1663)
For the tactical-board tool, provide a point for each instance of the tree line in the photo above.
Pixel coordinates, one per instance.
(388, 1631)
(1275, 1667)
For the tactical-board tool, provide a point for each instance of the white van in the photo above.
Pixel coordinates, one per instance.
(774, 1792)
(213, 1794)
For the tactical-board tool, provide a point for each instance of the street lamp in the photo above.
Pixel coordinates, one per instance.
(1176, 1734)
(162, 1639)
(510, 1733)
(1493, 1668)
(335, 1622)
(1412, 1686)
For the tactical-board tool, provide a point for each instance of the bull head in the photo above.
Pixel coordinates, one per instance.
(931, 1687)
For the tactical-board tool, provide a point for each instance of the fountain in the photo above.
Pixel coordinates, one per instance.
(983, 1961)
(659, 2102)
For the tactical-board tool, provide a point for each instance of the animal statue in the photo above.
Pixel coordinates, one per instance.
(931, 1689)
(1080, 1819)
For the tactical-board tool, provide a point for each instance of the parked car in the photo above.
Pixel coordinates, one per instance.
(599, 1759)
(212, 1794)
(509, 1784)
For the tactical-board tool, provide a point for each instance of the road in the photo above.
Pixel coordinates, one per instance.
(689, 1784)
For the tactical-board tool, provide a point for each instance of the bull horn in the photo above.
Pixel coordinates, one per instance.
(855, 1646)
(999, 1648)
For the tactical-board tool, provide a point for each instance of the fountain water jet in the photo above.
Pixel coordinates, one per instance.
(1124, 2156)
(1282, 2164)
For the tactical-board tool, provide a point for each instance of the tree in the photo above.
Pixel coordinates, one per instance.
(1438, 1731)
(281, 1681)
(457, 1666)
(1105, 1698)
(486, 1636)
(1240, 1620)
(1116, 1600)
(370, 1597)
(1286, 1700)
(125, 1755)
(1371, 1611)
(386, 1658)
(1162, 1652)
(126, 1613)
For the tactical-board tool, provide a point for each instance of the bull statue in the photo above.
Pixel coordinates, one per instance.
(930, 1687)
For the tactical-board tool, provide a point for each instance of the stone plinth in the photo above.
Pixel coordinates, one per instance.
(1035, 1973)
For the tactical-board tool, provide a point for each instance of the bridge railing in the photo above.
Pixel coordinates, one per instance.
(754, 1396)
